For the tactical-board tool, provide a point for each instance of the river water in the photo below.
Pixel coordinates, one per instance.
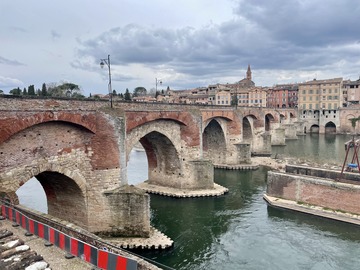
(238, 230)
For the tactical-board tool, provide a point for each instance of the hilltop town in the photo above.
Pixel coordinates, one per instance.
(327, 94)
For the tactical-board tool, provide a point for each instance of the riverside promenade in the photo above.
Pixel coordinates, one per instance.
(54, 241)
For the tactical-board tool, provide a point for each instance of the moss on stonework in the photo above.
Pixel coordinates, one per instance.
(354, 120)
(113, 111)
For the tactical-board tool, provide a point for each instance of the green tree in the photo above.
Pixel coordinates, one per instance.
(24, 92)
(1, 92)
(234, 100)
(127, 95)
(15, 91)
(139, 91)
(44, 90)
(114, 93)
(31, 90)
(64, 90)
(121, 95)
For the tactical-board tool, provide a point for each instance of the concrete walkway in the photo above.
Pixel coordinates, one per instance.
(53, 255)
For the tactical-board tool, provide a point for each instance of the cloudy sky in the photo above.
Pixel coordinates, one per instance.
(186, 44)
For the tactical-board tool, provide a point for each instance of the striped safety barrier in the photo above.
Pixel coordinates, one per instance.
(98, 257)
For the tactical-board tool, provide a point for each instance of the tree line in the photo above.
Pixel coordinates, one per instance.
(71, 90)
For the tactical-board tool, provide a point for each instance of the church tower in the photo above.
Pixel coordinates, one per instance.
(248, 73)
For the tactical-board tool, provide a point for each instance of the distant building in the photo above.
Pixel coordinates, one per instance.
(223, 97)
(257, 97)
(282, 96)
(351, 92)
(321, 94)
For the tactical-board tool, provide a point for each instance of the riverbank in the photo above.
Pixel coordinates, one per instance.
(278, 163)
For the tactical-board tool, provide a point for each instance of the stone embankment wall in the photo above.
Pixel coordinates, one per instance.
(309, 189)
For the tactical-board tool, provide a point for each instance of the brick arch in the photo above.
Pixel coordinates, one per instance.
(269, 119)
(170, 129)
(248, 127)
(214, 140)
(136, 119)
(43, 141)
(65, 188)
(14, 125)
(162, 143)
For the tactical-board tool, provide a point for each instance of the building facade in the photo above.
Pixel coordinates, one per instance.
(321, 94)
(351, 92)
(283, 96)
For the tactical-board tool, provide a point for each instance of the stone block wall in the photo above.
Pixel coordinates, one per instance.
(314, 191)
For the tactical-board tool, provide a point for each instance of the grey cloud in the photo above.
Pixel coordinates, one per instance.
(306, 23)
(9, 82)
(55, 35)
(279, 34)
(9, 62)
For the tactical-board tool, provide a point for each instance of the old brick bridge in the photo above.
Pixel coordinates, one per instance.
(78, 150)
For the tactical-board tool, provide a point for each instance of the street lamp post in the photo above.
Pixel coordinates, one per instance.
(157, 81)
(102, 64)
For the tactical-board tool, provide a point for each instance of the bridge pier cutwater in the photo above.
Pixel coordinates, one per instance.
(79, 149)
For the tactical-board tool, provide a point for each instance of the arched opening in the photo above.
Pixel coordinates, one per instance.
(56, 194)
(282, 118)
(314, 129)
(163, 161)
(32, 195)
(49, 181)
(268, 119)
(330, 128)
(137, 166)
(214, 144)
(247, 130)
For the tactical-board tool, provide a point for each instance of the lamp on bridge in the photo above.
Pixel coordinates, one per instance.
(157, 81)
(102, 64)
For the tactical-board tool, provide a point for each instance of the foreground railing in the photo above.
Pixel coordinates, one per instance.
(98, 253)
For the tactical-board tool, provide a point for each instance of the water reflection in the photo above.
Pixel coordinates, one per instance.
(341, 230)
(318, 148)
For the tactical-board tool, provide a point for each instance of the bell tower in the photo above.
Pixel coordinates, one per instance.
(248, 73)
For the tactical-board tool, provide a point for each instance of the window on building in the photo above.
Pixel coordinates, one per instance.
(329, 97)
(329, 106)
(304, 98)
(304, 92)
(324, 91)
(310, 91)
(310, 106)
